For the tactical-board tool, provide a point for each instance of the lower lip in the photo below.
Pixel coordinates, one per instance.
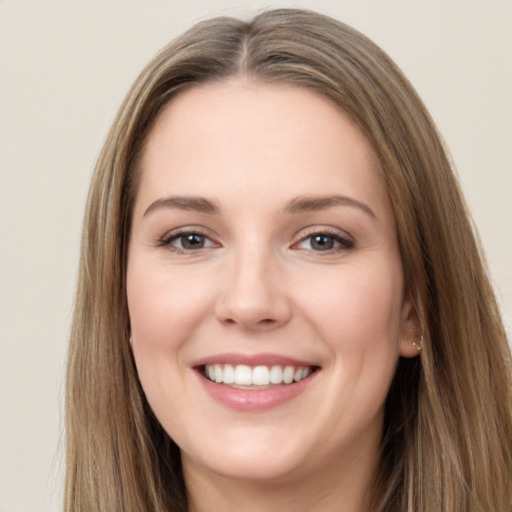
(255, 400)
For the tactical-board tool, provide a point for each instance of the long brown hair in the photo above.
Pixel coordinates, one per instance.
(447, 442)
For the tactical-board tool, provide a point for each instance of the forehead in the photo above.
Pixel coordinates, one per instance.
(243, 139)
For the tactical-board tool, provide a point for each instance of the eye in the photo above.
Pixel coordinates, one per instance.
(324, 242)
(187, 241)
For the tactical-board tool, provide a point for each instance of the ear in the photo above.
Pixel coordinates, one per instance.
(410, 334)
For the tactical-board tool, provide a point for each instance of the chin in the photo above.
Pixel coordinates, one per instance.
(258, 462)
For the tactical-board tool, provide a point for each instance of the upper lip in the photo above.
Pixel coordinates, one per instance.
(263, 359)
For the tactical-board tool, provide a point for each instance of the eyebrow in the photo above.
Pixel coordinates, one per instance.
(315, 203)
(300, 204)
(197, 204)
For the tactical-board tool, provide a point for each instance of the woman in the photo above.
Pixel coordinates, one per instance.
(281, 302)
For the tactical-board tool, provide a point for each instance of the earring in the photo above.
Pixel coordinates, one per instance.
(419, 344)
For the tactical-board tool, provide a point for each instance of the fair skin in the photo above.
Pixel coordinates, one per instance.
(263, 237)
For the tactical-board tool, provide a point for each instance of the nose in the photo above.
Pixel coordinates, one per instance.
(253, 295)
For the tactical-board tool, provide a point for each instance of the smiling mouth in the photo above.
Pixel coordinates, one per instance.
(259, 377)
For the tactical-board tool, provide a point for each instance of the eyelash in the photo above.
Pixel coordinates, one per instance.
(166, 241)
(344, 242)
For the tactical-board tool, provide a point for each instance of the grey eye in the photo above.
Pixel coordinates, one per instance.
(188, 241)
(322, 242)
(192, 241)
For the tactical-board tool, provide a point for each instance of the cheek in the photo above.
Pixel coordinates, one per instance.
(362, 319)
(164, 304)
(358, 320)
(359, 309)
(164, 308)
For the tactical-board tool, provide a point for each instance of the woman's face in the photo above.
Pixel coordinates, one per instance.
(265, 285)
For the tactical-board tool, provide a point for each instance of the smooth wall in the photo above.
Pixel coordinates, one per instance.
(64, 68)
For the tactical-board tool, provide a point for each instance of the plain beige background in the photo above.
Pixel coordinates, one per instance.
(64, 68)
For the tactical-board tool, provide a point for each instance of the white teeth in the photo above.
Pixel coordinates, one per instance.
(301, 373)
(261, 376)
(276, 375)
(244, 375)
(288, 374)
(218, 373)
(229, 374)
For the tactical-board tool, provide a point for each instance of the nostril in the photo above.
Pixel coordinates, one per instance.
(264, 321)
(251, 311)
